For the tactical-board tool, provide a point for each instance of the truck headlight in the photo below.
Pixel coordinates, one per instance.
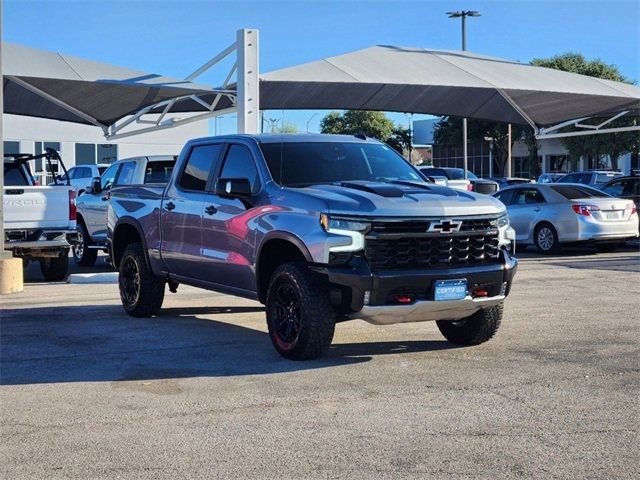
(329, 223)
(353, 229)
(503, 220)
(506, 234)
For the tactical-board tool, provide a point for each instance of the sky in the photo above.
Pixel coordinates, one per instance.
(175, 37)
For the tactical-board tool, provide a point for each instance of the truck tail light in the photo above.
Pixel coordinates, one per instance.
(470, 187)
(632, 207)
(585, 209)
(73, 210)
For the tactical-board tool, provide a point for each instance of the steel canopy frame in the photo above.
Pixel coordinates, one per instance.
(544, 133)
(244, 97)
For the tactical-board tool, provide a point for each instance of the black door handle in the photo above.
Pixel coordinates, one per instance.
(211, 210)
(169, 206)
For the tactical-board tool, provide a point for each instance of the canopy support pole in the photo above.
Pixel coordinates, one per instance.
(248, 82)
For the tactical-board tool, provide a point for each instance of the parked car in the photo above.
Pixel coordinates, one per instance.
(39, 221)
(548, 215)
(624, 187)
(92, 204)
(504, 182)
(550, 177)
(80, 176)
(455, 179)
(317, 228)
(595, 177)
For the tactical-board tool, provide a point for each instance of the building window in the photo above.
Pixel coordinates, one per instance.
(41, 163)
(107, 153)
(85, 153)
(558, 163)
(11, 147)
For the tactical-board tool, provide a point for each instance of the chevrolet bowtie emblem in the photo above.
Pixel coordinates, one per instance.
(445, 226)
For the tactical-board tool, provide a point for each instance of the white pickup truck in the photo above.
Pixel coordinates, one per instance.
(39, 221)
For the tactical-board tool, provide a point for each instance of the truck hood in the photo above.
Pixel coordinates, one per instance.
(401, 199)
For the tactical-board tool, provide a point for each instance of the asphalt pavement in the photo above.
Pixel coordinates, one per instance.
(87, 392)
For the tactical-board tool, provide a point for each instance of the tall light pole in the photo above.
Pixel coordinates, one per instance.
(309, 121)
(463, 14)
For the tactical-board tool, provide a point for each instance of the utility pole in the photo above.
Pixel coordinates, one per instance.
(463, 14)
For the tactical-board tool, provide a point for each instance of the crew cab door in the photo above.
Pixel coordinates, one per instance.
(228, 239)
(181, 217)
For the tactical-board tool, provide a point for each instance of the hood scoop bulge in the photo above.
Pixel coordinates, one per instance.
(382, 189)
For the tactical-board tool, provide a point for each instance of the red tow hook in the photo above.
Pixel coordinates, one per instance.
(403, 298)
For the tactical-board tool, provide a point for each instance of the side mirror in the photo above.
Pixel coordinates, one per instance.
(233, 187)
(95, 186)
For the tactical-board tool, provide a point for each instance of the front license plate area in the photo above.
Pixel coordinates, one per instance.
(451, 289)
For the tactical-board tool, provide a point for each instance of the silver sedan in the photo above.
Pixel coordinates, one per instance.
(547, 215)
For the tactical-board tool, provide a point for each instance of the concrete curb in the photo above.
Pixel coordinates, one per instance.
(106, 277)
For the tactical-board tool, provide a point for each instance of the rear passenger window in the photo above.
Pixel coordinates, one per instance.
(239, 164)
(202, 160)
(126, 174)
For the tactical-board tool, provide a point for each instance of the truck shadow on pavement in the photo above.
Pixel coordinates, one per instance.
(101, 343)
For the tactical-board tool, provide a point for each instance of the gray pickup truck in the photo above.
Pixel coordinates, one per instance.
(320, 229)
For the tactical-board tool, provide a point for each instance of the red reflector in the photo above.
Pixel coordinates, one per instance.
(73, 210)
(480, 293)
(470, 187)
(402, 298)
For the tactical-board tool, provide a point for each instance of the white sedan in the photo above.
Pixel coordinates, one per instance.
(548, 215)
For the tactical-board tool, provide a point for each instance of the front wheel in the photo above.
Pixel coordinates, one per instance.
(55, 269)
(82, 254)
(141, 292)
(474, 329)
(300, 317)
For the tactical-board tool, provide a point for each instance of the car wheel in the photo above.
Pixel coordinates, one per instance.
(55, 269)
(300, 317)
(82, 254)
(472, 330)
(141, 292)
(545, 238)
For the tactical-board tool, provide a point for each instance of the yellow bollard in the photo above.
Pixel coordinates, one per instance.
(11, 280)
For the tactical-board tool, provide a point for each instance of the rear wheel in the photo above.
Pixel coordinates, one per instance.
(300, 317)
(82, 254)
(141, 292)
(545, 238)
(55, 269)
(472, 330)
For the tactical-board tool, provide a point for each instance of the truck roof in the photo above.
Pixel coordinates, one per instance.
(294, 138)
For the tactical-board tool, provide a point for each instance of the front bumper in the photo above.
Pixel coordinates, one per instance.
(363, 294)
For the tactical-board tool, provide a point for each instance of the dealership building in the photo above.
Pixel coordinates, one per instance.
(84, 144)
(552, 156)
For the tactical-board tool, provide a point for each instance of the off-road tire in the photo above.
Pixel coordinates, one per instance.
(55, 269)
(315, 316)
(144, 297)
(82, 254)
(539, 242)
(474, 329)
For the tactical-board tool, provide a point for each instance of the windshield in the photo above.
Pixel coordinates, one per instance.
(458, 174)
(573, 192)
(294, 164)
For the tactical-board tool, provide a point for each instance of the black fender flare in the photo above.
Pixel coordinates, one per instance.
(135, 224)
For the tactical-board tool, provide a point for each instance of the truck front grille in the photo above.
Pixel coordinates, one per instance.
(476, 243)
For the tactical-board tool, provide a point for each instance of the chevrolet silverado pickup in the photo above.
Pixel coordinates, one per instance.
(320, 229)
(39, 221)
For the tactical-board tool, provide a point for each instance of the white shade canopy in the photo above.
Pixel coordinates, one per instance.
(442, 82)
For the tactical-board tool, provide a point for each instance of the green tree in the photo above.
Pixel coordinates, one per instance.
(594, 146)
(352, 122)
(287, 128)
